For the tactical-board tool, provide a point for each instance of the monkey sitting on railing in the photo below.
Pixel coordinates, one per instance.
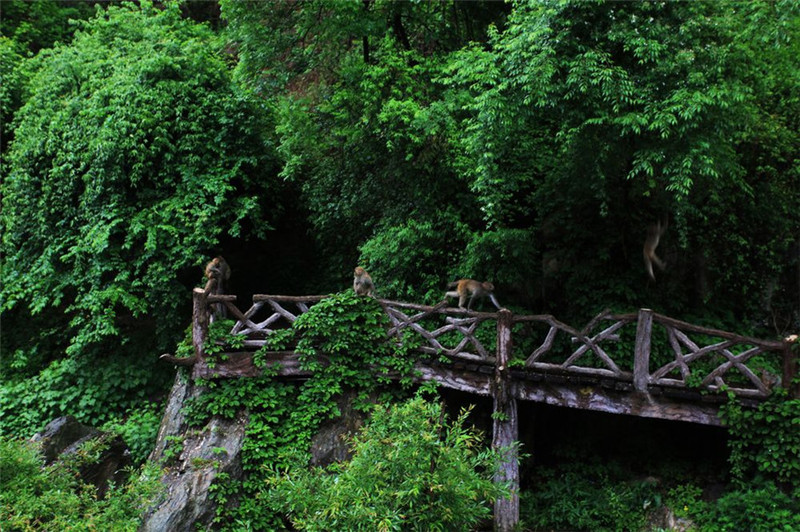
(362, 283)
(218, 273)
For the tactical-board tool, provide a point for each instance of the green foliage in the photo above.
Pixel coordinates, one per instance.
(41, 24)
(377, 110)
(615, 124)
(588, 496)
(350, 332)
(94, 391)
(139, 429)
(133, 156)
(133, 178)
(554, 140)
(410, 470)
(759, 506)
(173, 449)
(38, 498)
(220, 341)
(753, 508)
(13, 76)
(765, 440)
(393, 256)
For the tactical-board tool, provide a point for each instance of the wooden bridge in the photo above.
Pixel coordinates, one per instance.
(642, 364)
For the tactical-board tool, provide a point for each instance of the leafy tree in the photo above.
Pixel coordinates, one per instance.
(133, 157)
(38, 25)
(14, 78)
(621, 113)
(553, 131)
(362, 128)
(410, 471)
(27, 28)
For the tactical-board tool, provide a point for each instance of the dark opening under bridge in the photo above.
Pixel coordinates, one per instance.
(643, 364)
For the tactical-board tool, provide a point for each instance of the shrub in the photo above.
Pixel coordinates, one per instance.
(410, 470)
(34, 497)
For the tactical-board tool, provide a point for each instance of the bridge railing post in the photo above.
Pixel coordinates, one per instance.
(505, 428)
(789, 369)
(200, 320)
(641, 353)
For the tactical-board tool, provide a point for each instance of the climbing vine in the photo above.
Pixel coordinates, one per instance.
(765, 441)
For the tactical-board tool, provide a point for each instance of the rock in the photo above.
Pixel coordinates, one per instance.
(65, 436)
(204, 454)
(331, 443)
(196, 457)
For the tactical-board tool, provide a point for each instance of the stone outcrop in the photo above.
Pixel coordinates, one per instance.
(64, 436)
(330, 444)
(194, 458)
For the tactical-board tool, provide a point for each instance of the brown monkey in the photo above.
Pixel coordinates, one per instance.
(362, 283)
(218, 269)
(473, 289)
(654, 232)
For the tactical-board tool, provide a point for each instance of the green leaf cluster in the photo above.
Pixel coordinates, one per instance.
(411, 470)
(133, 156)
(765, 440)
(754, 506)
(94, 393)
(34, 497)
(588, 497)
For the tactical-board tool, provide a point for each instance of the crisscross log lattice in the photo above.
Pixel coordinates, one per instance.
(440, 330)
(688, 354)
(468, 347)
(590, 346)
(282, 311)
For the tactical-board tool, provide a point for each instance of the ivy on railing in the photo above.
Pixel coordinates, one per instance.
(644, 349)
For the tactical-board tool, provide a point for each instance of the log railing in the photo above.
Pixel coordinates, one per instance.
(688, 356)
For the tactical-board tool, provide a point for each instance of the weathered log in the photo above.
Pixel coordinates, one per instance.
(505, 428)
(770, 345)
(179, 361)
(220, 298)
(240, 364)
(454, 379)
(598, 399)
(288, 299)
(789, 366)
(641, 350)
(201, 317)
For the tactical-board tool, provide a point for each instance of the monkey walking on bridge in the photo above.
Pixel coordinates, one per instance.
(473, 289)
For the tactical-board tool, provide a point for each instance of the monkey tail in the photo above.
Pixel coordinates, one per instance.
(648, 266)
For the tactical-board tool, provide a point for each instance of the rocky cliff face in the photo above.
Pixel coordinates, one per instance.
(195, 457)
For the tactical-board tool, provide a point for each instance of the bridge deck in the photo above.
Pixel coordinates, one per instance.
(643, 364)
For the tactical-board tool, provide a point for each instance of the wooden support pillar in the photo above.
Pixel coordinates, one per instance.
(790, 368)
(505, 429)
(641, 353)
(200, 320)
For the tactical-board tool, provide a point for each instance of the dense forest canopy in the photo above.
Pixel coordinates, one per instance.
(529, 143)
